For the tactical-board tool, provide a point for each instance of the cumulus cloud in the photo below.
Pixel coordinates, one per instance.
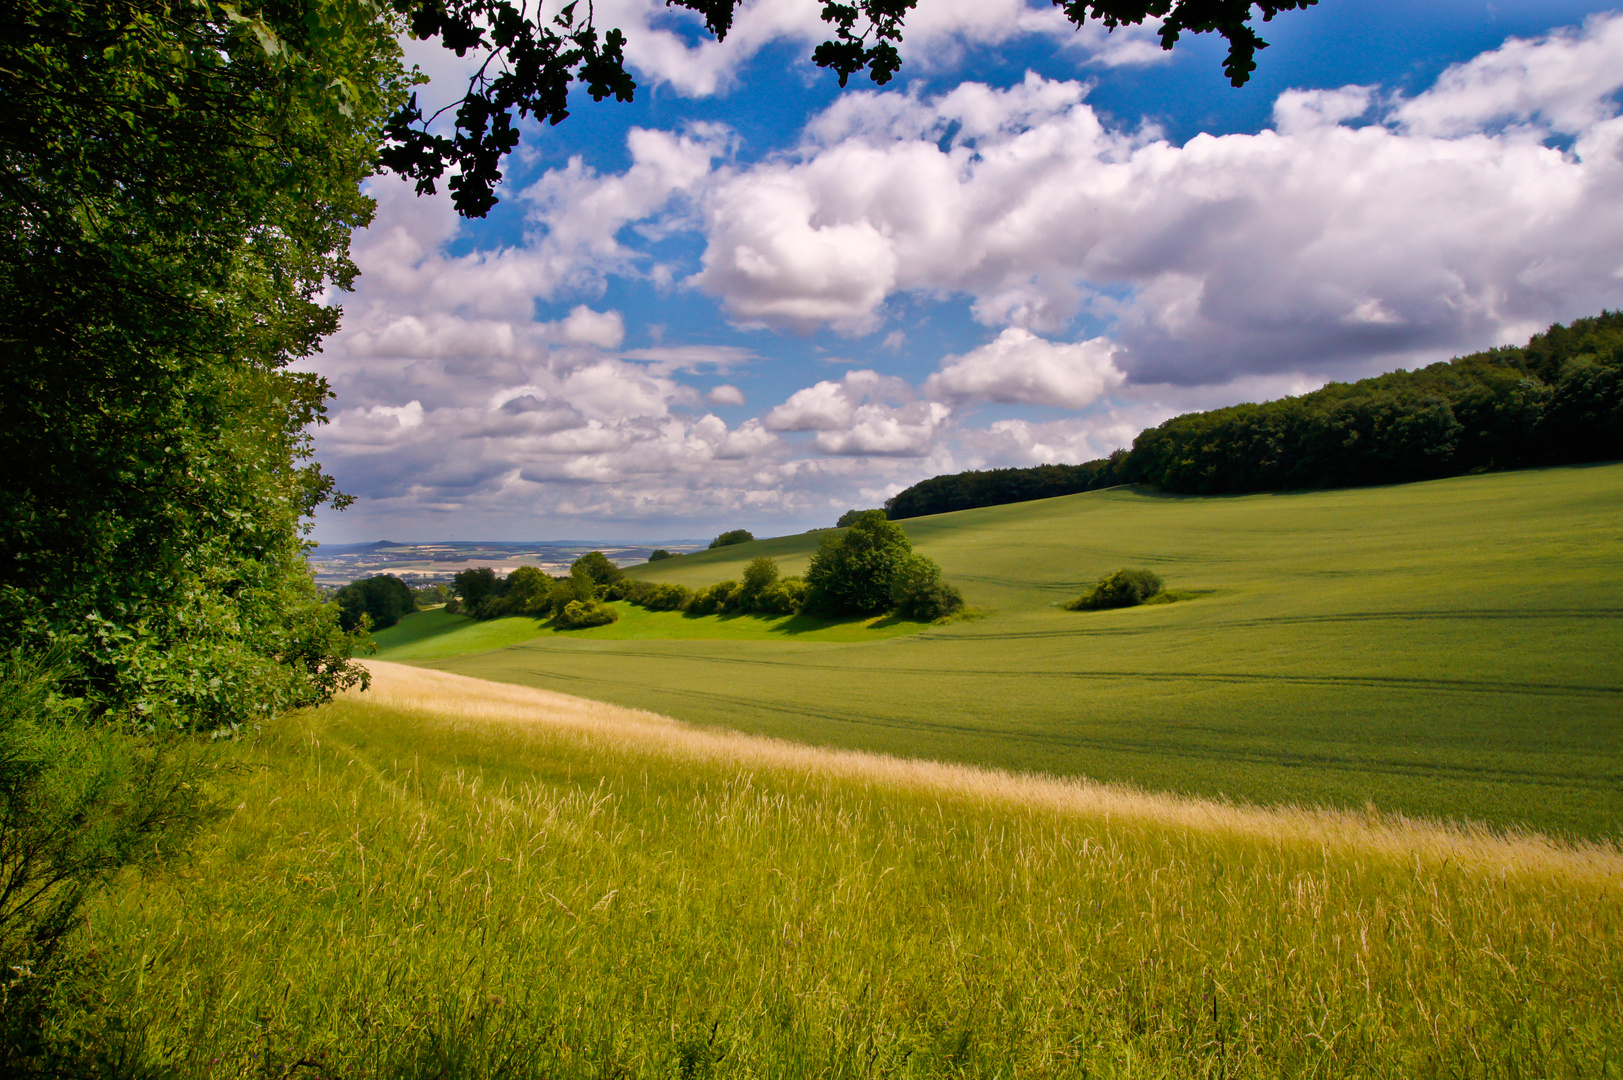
(725, 394)
(1019, 367)
(1358, 232)
(1325, 238)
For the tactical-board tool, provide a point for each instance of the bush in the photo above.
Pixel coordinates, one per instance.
(579, 614)
(919, 593)
(1121, 588)
(653, 595)
(784, 597)
(851, 517)
(596, 565)
(659, 553)
(714, 599)
(737, 536)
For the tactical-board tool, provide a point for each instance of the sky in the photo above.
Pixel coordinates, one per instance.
(750, 299)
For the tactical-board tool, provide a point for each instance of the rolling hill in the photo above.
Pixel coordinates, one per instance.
(1446, 649)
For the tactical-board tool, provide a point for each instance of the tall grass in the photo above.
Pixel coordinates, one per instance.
(421, 883)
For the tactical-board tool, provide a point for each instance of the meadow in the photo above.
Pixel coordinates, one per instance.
(1447, 649)
(442, 878)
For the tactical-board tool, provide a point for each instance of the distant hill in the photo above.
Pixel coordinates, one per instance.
(1558, 400)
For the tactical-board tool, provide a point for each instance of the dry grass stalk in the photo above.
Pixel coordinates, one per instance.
(1473, 848)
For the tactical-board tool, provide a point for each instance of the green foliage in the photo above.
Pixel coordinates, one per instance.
(659, 554)
(598, 567)
(474, 586)
(527, 591)
(786, 596)
(79, 802)
(850, 518)
(717, 599)
(655, 595)
(919, 593)
(177, 188)
(736, 536)
(760, 574)
(855, 571)
(997, 487)
(434, 595)
(382, 599)
(578, 614)
(1126, 587)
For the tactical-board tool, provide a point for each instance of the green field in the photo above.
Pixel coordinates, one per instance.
(445, 879)
(1448, 649)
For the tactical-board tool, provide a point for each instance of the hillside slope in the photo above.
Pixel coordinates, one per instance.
(1446, 648)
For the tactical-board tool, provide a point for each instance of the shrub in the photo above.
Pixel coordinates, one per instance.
(783, 597)
(578, 614)
(1121, 588)
(659, 553)
(737, 536)
(934, 601)
(528, 592)
(850, 517)
(667, 596)
(714, 599)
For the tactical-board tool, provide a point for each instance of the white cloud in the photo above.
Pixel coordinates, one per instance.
(725, 394)
(1294, 248)
(1018, 367)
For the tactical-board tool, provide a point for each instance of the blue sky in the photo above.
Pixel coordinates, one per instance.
(751, 299)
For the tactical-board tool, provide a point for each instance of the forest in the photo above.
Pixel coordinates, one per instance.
(1558, 400)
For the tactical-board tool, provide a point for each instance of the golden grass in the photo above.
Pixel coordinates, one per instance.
(1468, 847)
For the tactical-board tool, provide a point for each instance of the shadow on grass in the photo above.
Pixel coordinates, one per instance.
(803, 623)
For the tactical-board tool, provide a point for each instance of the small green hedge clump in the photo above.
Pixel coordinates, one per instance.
(1126, 587)
(579, 614)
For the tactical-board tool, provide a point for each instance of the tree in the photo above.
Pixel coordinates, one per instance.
(659, 555)
(178, 184)
(534, 63)
(855, 572)
(736, 536)
(596, 566)
(760, 574)
(474, 585)
(383, 599)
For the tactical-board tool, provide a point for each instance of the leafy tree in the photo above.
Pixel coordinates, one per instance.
(919, 593)
(383, 599)
(849, 517)
(659, 554)
(717, 599)
(178, 183)
(528, 592)
(760, 574)
(598, 567)
(474, 586)
(854, 572)
(736, 536)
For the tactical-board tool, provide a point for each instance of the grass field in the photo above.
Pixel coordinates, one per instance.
(444, 878)
(1448, 649)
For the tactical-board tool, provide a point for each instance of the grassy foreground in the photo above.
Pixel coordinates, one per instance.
(1448, 649)
(449, 878)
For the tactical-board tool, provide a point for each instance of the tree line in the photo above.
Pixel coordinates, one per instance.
(1558, 400)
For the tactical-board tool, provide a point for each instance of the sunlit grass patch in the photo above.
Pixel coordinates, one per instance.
(431, 880)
